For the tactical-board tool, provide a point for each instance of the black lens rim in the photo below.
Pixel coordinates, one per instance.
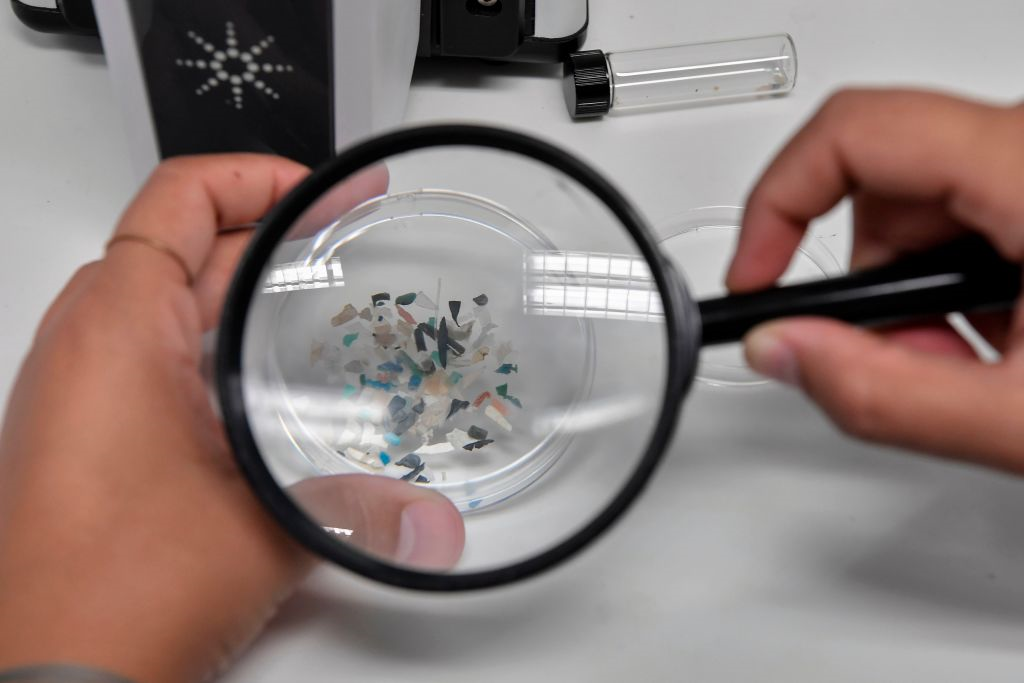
(682, 326)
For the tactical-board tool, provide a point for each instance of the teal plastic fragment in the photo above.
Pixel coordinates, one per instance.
(406, 299)
(349, 338)
(385, 458)
(392, 439)
(349, 391)
(503, 390)
(507, 369)
(455, 377)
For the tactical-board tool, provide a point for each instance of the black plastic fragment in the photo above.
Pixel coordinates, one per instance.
(456, 406)
(442, 342)
(396, 405)
(455, 307)
(415, 473)
(477, 433)
(480, 300)
(412, 461)
(379, 299)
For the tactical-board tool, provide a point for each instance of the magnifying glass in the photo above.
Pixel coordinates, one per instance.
(465, 379)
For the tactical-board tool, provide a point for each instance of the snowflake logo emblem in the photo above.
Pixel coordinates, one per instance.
(233, 67)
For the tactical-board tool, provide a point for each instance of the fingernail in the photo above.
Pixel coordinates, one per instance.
(770, 354)
(430, 535)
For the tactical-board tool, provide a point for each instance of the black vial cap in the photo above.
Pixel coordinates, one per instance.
(587, 84)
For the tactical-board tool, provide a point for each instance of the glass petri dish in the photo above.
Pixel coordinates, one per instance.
(323, 352)
(700, 243)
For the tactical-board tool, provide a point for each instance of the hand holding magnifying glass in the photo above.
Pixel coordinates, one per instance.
(128, 539)
(922, 169)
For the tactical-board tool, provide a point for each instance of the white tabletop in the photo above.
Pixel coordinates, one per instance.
(768, 546)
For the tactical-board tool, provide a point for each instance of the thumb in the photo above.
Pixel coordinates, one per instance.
(395, 521)
(878, 390)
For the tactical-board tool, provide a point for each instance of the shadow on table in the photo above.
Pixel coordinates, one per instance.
(954, 552)
(423, 628)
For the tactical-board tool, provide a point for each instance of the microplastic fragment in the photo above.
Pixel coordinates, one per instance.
(384, 335)
(481, 355)
(428, 366)
(365, 314)
(423, 301)
(458, 438)
(419, 407)
(427, 329)
(480, 300)
(392, 438)
(405, 424)
(435, 449)
(411, 461)
(478, 433)
(478, 444)
(507, 369)
(405, 315)
(415, 473)
(405, 299)
(456, 406)
(455, 307)
(498, 418)
(391, 366)
(457, 348)
(379, 299)
(363, 457)
(421, 343)
(349, 391)
(462, 333)
(436, 384)
(442, 343)
(514, 401)
(349, 338)
(422, 480)
(415, 381)
(454, 378)
(385, 458)
(481, 398)
(348, 313)
(376, 384)
(316, 352)
(500, 407)
(396, 405)
(503, 390)
(473, 504)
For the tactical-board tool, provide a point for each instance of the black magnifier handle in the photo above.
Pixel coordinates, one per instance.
(967, 274)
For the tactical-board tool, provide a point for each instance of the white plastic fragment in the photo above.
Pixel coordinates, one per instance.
(498, 418)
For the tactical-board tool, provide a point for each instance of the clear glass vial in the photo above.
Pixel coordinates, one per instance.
(597, 83)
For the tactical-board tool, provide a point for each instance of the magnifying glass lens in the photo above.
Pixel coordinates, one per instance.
(453, 360)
